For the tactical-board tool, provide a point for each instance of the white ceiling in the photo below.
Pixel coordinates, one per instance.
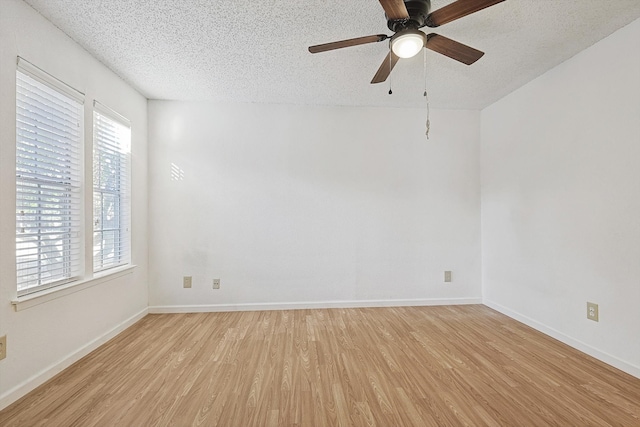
(256, 51)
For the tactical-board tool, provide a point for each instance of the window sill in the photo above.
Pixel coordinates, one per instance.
(37, 298)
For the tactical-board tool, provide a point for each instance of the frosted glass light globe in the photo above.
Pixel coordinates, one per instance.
(407, 44)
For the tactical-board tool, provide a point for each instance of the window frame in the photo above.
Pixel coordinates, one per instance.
(123, 191)
(49, 180)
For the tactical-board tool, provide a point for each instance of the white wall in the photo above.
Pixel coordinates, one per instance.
(311, 206)
(560, 167)
(45, 338)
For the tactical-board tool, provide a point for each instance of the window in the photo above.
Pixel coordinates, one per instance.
(49, 132)
(54, 226)
(111, 201)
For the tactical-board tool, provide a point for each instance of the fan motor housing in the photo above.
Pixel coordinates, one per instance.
(418, 11)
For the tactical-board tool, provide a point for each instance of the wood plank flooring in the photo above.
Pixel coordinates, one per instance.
(405, 366)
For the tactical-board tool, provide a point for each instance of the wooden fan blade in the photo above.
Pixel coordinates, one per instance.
(395, 9)
(453, 49)
(457, 10)
(385, 68)
(346, 43)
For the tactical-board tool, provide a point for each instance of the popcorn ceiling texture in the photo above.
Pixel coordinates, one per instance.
(256, 51)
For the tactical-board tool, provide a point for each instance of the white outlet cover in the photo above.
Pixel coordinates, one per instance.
(187, 281)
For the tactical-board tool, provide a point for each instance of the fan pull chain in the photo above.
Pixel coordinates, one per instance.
(426, 96)
(390, 91)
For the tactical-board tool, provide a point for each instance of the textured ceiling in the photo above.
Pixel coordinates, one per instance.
(256, 51)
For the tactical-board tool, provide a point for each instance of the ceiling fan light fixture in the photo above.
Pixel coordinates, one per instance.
(407, 43)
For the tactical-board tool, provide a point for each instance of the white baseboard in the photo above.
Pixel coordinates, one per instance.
(40, 378)
(303, 305)
(578, 345)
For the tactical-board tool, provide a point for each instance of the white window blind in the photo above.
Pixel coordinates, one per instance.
(48, 198)
(111, 190)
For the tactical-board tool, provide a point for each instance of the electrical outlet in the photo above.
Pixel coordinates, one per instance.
(592, 311)
(3, 347)
(186, 281)
(447, 276)
(216, 283)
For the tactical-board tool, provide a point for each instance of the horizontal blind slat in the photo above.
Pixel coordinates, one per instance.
(30, 139)
(33, 109)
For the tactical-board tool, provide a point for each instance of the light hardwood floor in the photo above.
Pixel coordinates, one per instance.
(406, 366)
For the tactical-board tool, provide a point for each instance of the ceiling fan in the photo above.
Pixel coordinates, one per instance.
(404, 18)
